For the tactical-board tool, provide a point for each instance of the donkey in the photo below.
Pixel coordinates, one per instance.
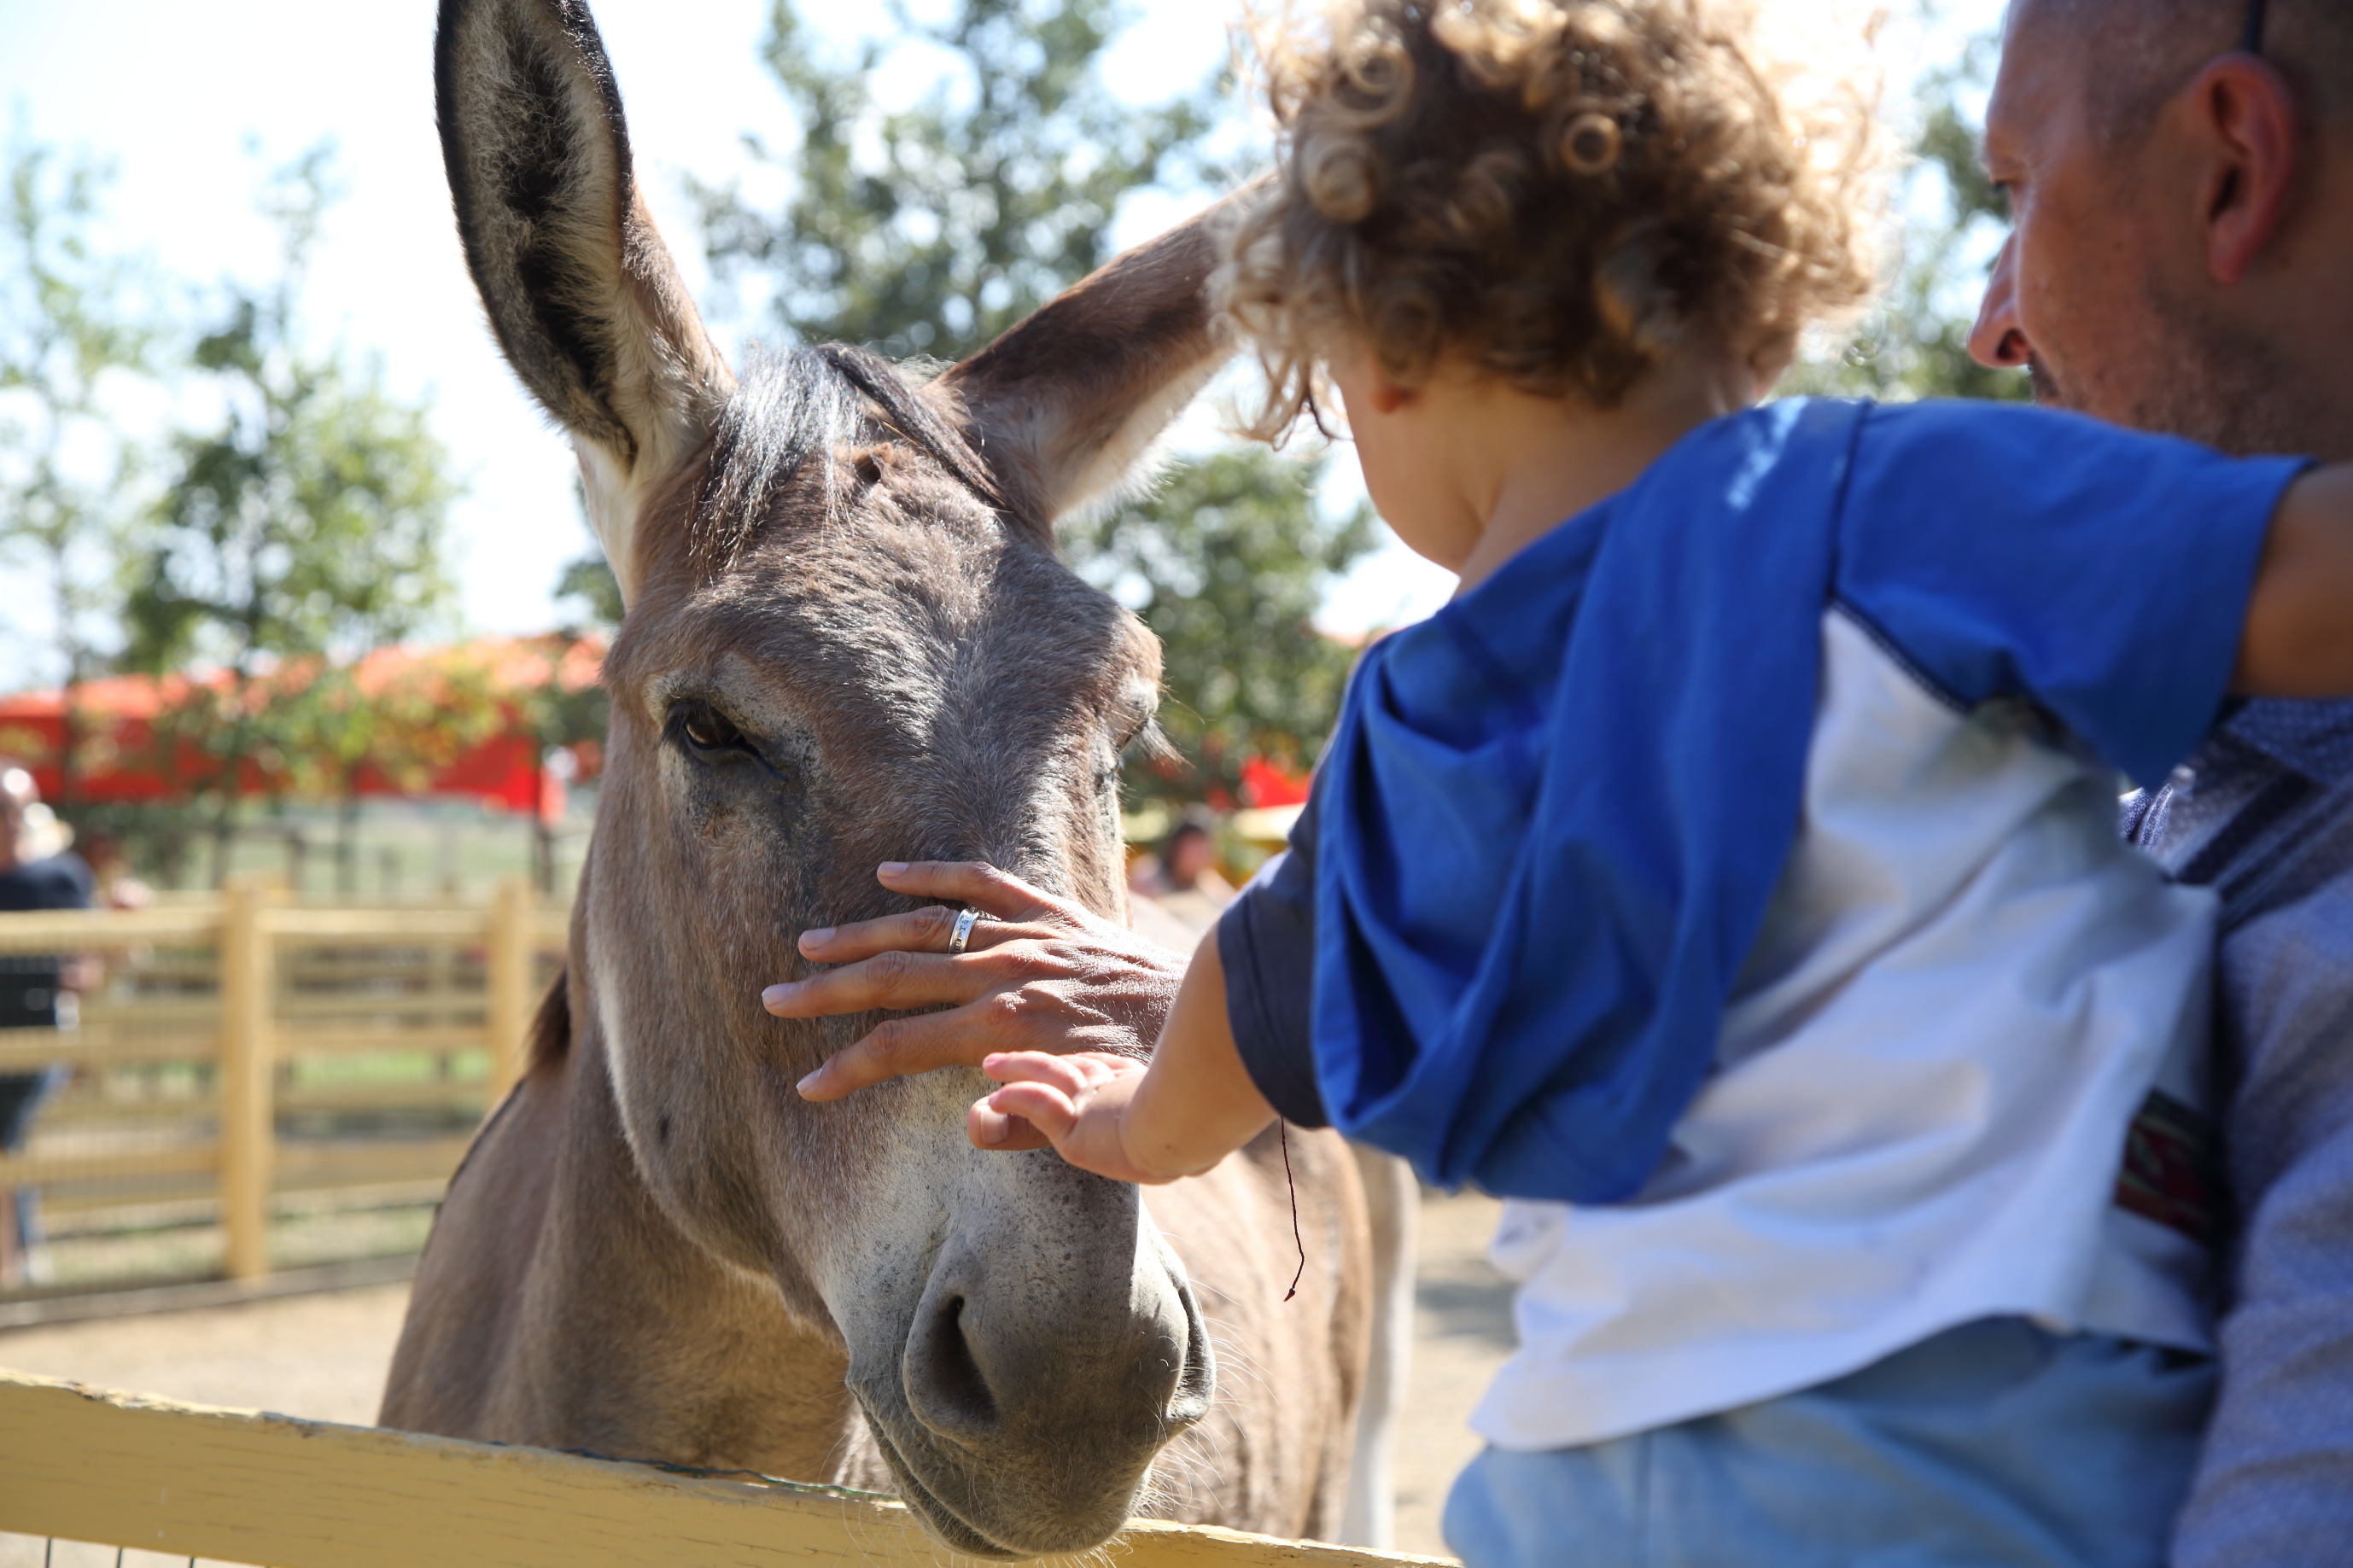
(847, 638)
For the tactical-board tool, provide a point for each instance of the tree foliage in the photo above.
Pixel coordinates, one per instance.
(1227, 563)
(309, 519)
(340, 727)
(72, 481)
(1914, 343)
(304, 525)
(251, 555)
(932, 229)
(337, 724)
(588, 582)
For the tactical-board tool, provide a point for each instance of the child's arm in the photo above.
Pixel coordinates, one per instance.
(2298, 640)
(1189, 1109)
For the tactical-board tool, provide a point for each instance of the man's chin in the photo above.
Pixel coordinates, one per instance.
(2193, 378)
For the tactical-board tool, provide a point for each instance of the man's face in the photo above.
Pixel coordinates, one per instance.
(2099, 290)
(2060, 300)
(1188, 856)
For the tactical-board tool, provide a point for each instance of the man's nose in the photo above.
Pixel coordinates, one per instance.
(1997, 340)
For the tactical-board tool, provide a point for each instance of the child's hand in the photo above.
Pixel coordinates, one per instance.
(1190, 1108)
(1078, 1102)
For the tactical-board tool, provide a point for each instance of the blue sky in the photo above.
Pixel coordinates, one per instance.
(192, 102)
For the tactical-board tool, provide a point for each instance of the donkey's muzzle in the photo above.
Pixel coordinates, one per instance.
(981, 1365)
(1029, 1404)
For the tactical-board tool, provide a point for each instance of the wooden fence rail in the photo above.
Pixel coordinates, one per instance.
(237, 1486)
(242, 989)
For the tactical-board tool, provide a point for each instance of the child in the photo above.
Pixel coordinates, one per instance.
(1729, 874)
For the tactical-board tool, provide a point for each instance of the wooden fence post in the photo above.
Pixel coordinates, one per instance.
(510, 983)
(247, 1129)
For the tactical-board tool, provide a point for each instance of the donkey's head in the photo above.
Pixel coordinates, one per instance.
(849, 639)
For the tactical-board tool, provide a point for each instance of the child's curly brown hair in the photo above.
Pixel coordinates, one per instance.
(1556, 192)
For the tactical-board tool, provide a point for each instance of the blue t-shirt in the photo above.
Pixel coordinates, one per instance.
(1552, 812)
(28, 983)
(60, 882)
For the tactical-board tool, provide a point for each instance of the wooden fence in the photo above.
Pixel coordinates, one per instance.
(245, 1047)
(236, 1486)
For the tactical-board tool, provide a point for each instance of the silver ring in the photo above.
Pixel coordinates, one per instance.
(966, 920)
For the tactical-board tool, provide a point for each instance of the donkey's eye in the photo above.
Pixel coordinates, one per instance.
(706, 730)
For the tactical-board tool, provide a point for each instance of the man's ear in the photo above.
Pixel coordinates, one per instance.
(2246, 113)
(1064, 407)
(580, 289)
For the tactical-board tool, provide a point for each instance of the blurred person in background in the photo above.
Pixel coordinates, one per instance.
(37, 871)
(1181, 877)
(2180, 179)
(116, 885)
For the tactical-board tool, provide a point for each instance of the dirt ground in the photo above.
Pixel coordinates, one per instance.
(1463, 1332)
(324, 1357)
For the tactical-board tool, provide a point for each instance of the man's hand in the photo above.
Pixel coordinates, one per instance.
(1190, 1108)
(1042, 974)
(1077, 1103)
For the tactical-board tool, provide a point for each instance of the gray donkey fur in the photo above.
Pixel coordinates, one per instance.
(848, 638)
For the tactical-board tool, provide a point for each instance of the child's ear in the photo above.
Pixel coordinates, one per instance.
(1363, 384)
(1387, 396)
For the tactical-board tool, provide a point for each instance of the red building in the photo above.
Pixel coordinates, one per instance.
(121, 758)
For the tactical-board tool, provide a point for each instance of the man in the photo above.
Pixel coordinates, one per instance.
(32, 994)
(1181, 879)
(2181, 174)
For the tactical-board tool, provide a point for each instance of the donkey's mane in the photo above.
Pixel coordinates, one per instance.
(802, 404)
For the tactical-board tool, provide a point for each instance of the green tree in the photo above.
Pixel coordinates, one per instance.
(1914, 342)
(587, 581)
(932, 231)
(339, 724)
(1227, 563)
(305, 525)
(568, 707)
(71, 479)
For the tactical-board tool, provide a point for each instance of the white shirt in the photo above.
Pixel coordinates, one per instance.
(1965, 986)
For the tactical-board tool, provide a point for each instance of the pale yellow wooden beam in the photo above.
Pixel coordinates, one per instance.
(294, 922)
(82, 930)
(92, 1049)
(359, 1163)
(240, 1486)
(96, 931)
(551, 929)
(35, 1170)
(315, 1039)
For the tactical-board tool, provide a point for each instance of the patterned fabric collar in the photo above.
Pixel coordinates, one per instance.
(2315, 739)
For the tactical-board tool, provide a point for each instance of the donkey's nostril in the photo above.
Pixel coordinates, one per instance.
(985, 1370)
(945, 1387)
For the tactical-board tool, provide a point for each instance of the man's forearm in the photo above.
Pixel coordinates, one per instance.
(2298, 641)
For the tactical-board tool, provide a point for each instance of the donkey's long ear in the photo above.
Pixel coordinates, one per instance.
(581, 292)
(1065, 405)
